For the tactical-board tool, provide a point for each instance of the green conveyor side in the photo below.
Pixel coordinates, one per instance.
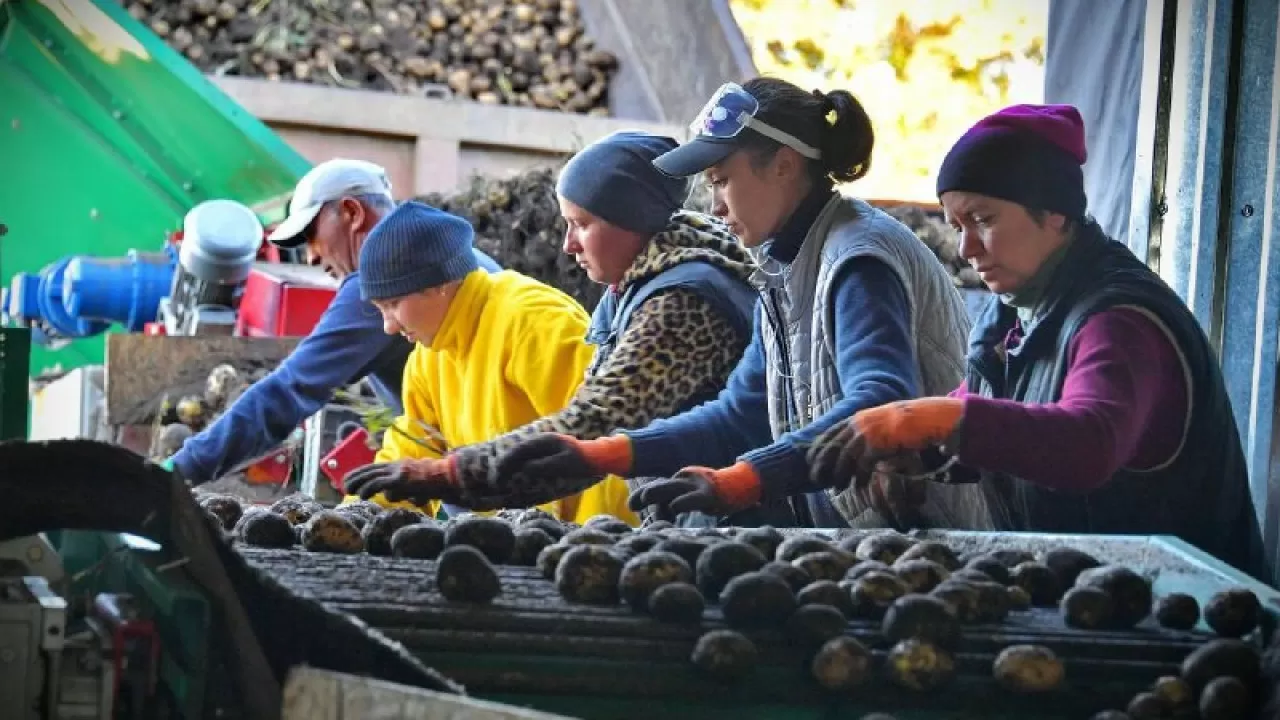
(108, 137)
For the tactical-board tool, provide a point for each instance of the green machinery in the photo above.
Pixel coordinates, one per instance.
(108, 137)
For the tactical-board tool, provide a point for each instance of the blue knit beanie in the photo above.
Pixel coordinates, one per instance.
(414, 248)
(614, 179)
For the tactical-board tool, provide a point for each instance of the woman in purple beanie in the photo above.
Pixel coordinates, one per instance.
(1092, 402)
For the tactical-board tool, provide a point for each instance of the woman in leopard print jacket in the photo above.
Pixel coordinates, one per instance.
(673, 324)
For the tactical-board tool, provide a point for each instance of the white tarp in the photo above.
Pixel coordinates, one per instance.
(1094, 61)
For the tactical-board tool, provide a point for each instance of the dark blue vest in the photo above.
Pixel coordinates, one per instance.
(1201, 497)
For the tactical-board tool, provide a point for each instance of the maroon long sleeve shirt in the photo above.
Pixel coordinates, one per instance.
(1124, 404)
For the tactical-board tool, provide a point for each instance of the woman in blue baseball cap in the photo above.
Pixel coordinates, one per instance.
(855, 312)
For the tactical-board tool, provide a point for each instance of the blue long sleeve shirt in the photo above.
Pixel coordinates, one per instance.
(346, 345)
(875, 363)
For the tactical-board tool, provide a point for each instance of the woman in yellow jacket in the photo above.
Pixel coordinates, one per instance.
(672, 325)
(493, 352)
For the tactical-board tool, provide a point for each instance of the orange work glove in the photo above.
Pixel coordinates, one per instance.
(701, 489)
(552, 456)
(848, 452)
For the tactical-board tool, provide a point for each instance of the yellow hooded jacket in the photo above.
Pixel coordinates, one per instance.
(510, 350)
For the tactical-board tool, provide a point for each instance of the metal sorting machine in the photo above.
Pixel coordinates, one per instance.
(532, 648)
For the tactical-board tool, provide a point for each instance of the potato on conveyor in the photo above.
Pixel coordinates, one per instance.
(328, 531)
(841, 664)
(1011, 558)
(1019, 599)
(1222, 657)
(962, 597)
(1130, 593)
(378, 531)
(989, 566)
(1175, 692)
(685, 547)
(221, 384)
(588, 536)
(866, 566)
(192, 412)
(637, 543)
(296, 508)
(224, 507)
(918, 665)
(648, 571)
(825, 592)
(1147, 706)
(607, 523)
(1068, 563)
(722, 562)
(1177, 611)
(812, 625)
(548, 525)
(677, 602)
(934, 551)
(261, 527)
(589, 574)
(420, 541)
(885, 547)
(1225, 698)
(873, 593)
(1087, 608)
(529, 541)
(1233, 612)
(798, 579)
(465, 575)
(1028, 668)
(795, 546)
(549, 559)
(766, 539)
(825, 565)
(921, 617)
(757, 599)
(1039, 581)
(489, 535)
(993, 602)
(172, 437)
(725, 655)
(920, 575)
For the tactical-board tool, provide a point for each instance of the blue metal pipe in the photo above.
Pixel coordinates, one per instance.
(122, 290)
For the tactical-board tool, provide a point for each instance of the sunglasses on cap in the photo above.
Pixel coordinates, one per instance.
(731, 110)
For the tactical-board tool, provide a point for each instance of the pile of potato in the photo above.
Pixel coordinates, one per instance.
(922, 593)
(534, 53)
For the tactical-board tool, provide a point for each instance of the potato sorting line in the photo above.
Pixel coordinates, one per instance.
(529, 640)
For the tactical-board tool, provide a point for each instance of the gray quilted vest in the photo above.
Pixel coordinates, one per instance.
(801, 374)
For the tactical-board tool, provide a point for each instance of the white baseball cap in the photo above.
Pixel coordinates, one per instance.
(330, 180)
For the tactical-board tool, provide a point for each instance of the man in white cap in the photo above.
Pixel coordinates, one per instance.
(333, 208)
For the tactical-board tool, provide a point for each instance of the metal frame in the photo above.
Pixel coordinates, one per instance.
(15, 368)
(1205, 203)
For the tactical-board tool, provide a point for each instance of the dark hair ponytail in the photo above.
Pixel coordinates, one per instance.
(834, 122)
(847, 144)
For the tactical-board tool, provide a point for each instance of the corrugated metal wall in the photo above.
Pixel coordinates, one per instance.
(1204, 202)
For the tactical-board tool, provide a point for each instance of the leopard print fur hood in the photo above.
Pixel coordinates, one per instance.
(690, 236)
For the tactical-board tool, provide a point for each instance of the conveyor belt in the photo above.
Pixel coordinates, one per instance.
(531, 641)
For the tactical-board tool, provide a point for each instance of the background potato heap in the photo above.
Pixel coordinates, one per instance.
(534, 53)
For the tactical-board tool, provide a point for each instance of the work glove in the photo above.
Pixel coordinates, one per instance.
(417, 481)
(700, 489)
(552, 457)
(847, 454)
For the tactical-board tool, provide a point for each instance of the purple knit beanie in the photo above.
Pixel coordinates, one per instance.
(1028, 154)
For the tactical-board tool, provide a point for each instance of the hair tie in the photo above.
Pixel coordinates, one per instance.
(828, 107)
